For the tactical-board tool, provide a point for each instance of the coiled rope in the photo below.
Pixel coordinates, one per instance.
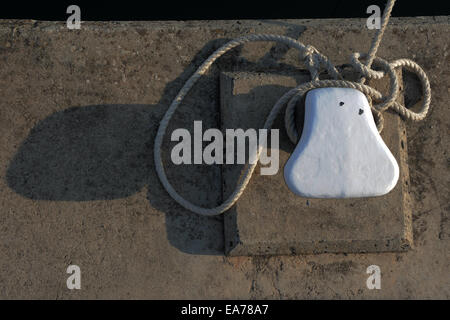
(314, 61)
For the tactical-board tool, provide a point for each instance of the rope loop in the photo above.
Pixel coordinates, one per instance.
(426, 91)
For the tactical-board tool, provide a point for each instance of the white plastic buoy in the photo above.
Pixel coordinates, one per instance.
(340, 153)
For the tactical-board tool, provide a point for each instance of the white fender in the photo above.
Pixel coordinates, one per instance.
(340, 153)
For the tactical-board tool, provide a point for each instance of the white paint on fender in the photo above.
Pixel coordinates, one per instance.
(340, 153)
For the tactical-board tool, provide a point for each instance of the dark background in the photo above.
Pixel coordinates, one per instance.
(214, 9)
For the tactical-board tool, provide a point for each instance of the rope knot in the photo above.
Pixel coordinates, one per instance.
(311, 58)
(365, 71)
(308, 52)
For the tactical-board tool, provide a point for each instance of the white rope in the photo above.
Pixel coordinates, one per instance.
(313, 60)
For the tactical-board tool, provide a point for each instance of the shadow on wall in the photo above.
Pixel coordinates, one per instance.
(104, 152)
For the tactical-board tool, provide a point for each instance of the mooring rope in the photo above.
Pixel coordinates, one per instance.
(314, 61)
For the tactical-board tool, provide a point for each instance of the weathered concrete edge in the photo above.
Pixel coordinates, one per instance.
(320, 247)
(215, 24)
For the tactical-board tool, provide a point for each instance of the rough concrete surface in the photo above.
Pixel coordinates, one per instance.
(78, 113)
(269, 219)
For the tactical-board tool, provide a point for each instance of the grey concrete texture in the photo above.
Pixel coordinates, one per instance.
(78, 115)
(269, 219)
